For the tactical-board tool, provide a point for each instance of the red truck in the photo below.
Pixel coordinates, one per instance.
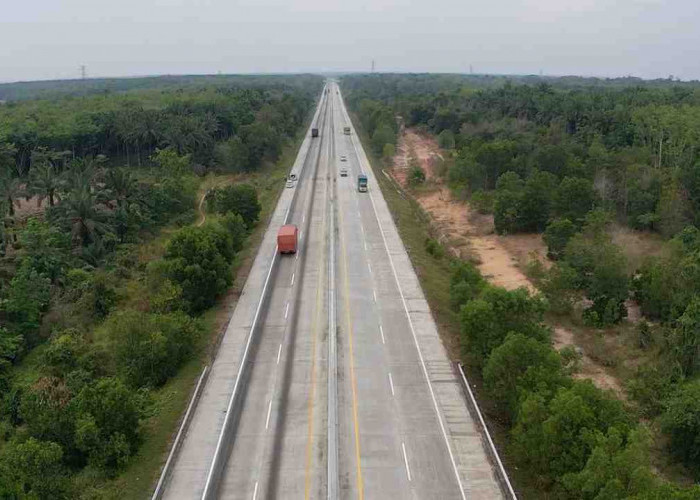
(287, 238)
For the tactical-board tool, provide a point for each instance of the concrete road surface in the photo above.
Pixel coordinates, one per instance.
(380, 417)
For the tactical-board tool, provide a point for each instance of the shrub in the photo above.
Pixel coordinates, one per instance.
(446, 139)
(433, 247)
(149, 348)
(466, 283)
(416, 176)
(33, 469)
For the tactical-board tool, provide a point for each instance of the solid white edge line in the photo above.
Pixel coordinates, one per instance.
(279, 353)
(292, 283)
(255, 491)
(286, 310)
(269, 411)
(391, 384)
(381, 331)
(374, 294)
(405, 461)
(410, 321)
(369, 266)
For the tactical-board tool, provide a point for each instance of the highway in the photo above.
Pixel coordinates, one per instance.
(331, 381)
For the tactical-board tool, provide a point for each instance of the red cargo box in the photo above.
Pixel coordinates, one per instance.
(287, 239)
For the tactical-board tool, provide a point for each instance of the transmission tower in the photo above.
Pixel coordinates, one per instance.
(83, 71)
(372, 65)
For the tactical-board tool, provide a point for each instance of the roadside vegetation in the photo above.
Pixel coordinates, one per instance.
(106, 284)
(569, 159)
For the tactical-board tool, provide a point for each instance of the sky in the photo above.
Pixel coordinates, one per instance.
(50, 39)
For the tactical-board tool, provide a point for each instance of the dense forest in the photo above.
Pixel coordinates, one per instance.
(569, 158)
(88, 328)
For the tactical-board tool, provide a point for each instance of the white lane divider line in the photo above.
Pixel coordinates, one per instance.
(369, 266)
(303, 218)
(391, 384)
(255, 491)
(292, 283)
(374, 294)
(269, 411)
(405, 461)
(296, 257)
(381, 331)
(286, 310)
(279, 353)
(301, 235)
(365, 246)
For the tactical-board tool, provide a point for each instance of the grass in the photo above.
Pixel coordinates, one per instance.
(138, 480)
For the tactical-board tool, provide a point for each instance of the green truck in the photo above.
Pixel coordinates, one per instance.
(362, 183)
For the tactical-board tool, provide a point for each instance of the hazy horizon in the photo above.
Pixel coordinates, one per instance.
(49, 39)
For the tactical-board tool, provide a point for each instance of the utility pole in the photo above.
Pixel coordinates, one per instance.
(83, 73)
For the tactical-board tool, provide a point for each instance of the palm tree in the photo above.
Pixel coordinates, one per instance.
(45, 182)
(10, 190)
(87, 220)
(120, 185)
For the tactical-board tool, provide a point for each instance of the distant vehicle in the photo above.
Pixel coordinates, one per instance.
(346, 130)
(343, 158)
(343, 171)
(314, 132)
(362, 183)
(287, 238)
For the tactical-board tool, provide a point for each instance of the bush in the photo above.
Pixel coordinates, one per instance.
(446, 139)
(482, 202)
(433, 247)
(574, 198)
(466, 284)
(238, 198)
(149, 348)
(198, 260)
(416, 176)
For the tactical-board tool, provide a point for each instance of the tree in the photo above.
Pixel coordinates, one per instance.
(107, 426)
(239, 199)
(684, 341)
(45, 182)
(33, 469)
(171, 162)
(198, 259)
(232, 155)
(466, 284)
(487, 320)
(681, 421)
(574, 198)
(557, 236)
(149, 348)
(384, 134)
(81, 211)
(520, 365)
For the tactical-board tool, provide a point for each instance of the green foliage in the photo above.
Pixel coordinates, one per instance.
(33, 469)
(149, 348)
(681, 420)
(198, 260)
(574, 198)
(240, 199)
(416, 176)
(482, 202)
(557, 236)
(521, 365)
(388, 152)
(466, 284)
(554, 438)
(486, 320)
(433, 247)
(446, 139)
(26, 299)
(232, 155)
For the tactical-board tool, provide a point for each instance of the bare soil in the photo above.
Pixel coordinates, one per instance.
(470, 235)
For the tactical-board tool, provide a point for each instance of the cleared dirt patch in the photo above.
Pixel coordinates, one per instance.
(470, 235)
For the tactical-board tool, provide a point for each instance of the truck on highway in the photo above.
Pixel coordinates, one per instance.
(287, 238)
(314, 132)
(362, 183)
(346, 130)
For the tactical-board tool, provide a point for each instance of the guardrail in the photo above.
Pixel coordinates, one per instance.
(180, 434)
(501, 473)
